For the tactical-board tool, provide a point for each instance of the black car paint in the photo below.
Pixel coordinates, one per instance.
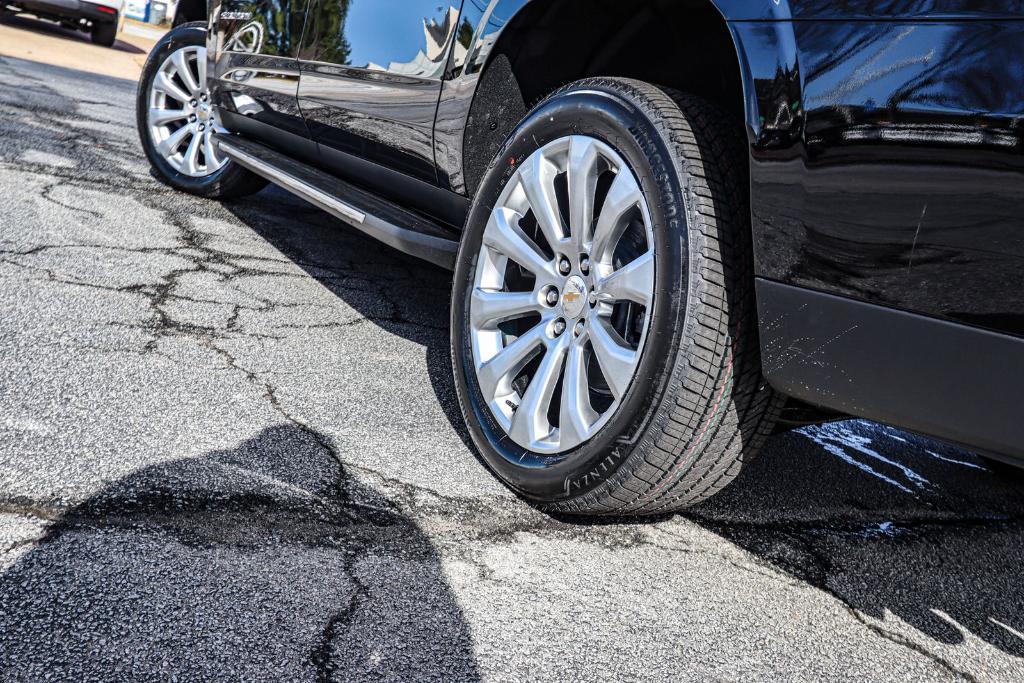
(887, 161)
(924, 374)
(914, 109)
(885, 143)
(256, 69)
(370, 92)
(367, 123)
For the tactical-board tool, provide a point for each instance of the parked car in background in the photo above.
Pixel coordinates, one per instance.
(675, 225)
(101, 19)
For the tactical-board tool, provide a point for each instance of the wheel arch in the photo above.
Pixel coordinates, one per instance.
(190, 10)
(526, 49)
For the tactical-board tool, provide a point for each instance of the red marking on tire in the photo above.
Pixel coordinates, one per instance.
(700, 437)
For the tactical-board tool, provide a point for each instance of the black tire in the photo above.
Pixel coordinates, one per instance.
(104, 33)
(1005, 470)
(231, 180)
(698, 407)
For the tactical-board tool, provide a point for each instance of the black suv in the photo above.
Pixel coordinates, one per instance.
(675, 225)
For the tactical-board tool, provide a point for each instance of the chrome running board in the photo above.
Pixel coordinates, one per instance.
(383, 220)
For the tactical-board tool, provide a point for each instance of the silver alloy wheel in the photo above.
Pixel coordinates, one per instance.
(181, 117)
(589, 300)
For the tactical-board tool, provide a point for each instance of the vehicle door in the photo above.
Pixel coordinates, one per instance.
(371, 77)
(253, 52)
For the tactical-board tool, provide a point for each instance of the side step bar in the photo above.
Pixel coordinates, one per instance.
(391, 224)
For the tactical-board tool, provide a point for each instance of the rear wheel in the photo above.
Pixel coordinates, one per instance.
(177, 121)
(603, 329)
(104, 33)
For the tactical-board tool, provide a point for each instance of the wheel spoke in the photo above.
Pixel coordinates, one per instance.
(504, 236)
(575, 345)
(615, 359)
(537, 176)
(160, 117)
(623, 195)
(583, 174)
(201, 66)
(168, 147)
(490, 308)
(530, 421)
(183, 64)
(181, 78)
(576, 415)
(494, 374)
(210, 152)
(632, 282)
(190, 161)
(164, 84)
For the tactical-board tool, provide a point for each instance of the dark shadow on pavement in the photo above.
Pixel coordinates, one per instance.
(401, 294)
(890, 523)
(893, 525)
(264, 562)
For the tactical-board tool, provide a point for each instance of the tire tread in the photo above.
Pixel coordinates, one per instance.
(717, 410)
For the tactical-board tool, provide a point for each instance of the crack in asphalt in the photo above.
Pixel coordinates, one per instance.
(200, 257)
(203, 259)
(320, 654)
(909, 644)
(47, 195)
(818, 567)
(366, 523)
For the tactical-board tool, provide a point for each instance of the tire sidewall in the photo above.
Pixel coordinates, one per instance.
(610, 116)
(185, 35)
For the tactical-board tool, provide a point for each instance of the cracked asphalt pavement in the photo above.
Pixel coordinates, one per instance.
(230, 450)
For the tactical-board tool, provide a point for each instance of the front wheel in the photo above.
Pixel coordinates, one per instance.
(604, 336)
(177, 120)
